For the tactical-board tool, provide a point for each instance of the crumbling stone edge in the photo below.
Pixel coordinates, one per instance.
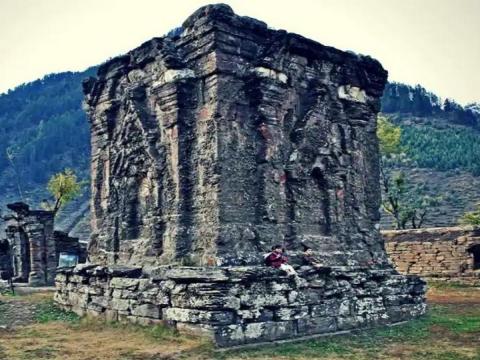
(237, 306)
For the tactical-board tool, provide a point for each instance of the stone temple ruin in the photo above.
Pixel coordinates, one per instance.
(213, 144)
(32, 247)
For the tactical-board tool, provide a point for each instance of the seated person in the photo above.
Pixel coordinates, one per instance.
(310, 259)
(278, 260)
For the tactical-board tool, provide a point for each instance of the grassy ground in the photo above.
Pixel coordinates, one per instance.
(451, 331)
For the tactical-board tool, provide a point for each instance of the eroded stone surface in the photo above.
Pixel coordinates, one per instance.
(211, 146)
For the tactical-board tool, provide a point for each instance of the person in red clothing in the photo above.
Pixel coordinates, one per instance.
(278, 260)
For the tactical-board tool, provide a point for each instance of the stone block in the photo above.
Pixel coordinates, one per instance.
(229, 335)
(147, 311)
(124, 283)
(325, 308)
(111, 315)
(188, 300)
(317, 325)
(255, 315)
(291, 313)
(101, 301)
(269, 331)
(199, 316)
(350, 322)
(120, 304)
(197, 274)
(259, 300)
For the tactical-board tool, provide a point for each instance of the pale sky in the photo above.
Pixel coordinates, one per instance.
(435, 43)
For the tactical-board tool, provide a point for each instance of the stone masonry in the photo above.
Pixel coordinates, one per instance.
(212, 145)
(209, 146)
(243, 305)
(444, 254)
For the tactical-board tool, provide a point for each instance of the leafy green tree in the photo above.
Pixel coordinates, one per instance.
(404, 202)
(471, 217)
(64, 187)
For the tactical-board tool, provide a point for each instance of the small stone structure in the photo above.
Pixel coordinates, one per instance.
(31, 249)
(30, 235)
(213, 144)
(444, 254)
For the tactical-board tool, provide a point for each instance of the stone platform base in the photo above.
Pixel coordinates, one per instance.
(244, 305)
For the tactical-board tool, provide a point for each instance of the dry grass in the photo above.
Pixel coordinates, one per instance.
(450, 332)
(439, 293)
(92, 340)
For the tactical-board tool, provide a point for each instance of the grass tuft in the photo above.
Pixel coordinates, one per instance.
(47, 311)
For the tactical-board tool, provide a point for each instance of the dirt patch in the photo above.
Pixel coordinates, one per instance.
(15, 312)
(453, 295)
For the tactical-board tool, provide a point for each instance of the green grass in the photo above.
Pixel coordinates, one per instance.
(47, 311)
(368, 344)
(456, 323)
(452, 285)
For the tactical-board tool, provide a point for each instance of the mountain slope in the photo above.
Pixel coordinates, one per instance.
(43, 130)
(442, 141)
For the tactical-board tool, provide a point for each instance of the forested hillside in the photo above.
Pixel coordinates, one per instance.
(441, 140)
(43, 130)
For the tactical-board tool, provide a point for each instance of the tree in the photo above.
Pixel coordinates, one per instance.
(64, 187)
(471, 217)
(405, 202)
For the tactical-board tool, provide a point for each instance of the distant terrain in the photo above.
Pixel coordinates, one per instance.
(43, 130)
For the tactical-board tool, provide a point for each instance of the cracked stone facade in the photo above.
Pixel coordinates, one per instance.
(214, 144)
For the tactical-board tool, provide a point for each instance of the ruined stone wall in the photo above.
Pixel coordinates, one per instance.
(436, 253)
(31, 249)
(30, 234)
(210, 146)
(242, 305)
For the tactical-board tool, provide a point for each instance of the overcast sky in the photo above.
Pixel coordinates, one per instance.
(432, 42)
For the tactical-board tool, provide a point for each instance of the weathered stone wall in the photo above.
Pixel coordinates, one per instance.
(210, 146)
(239, 305)
(436, 253)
